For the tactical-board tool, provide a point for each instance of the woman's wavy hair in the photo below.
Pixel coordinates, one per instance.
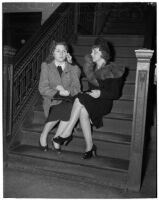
(103, 46)
(52, 47)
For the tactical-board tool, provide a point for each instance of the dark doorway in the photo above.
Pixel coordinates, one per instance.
(19, 27)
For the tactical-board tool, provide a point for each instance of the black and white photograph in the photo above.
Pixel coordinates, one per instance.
(79, 100)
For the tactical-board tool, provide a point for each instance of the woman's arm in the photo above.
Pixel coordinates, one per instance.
(44, 86)
(113, 90)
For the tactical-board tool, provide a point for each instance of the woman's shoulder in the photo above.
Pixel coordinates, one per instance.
(44, 64)
(113, 70)
(75, 69)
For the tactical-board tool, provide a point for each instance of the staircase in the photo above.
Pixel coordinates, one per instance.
(113, 140)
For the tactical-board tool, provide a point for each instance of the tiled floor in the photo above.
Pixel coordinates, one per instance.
(19, 184)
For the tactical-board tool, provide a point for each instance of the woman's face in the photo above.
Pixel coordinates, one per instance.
(60, 53)
(96, 54)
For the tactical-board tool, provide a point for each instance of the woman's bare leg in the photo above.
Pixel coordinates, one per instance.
(76, 109)
(86, 128)
(47, 128)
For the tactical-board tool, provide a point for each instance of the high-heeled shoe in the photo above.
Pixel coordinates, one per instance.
(58, 150)
(61, 140)
(44, 148)
(90, 153)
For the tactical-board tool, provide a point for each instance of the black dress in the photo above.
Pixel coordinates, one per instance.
(98, 107)
(60, 112)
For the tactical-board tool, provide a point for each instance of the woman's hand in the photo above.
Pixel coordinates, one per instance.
(69, 58)
(62, 91)
(60, 88)
(94, 93)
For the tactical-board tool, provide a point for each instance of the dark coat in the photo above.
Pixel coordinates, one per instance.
(109, 80)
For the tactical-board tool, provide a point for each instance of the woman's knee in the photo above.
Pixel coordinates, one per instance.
(84, 113)
(78, 103)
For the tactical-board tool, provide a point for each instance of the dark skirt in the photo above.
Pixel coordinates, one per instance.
(96, 108)
(60, 112)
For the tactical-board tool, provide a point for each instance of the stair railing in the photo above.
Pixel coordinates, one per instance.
(26, 70)
(86, 18)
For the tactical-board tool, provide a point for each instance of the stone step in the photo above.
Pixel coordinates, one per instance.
(101, 170)
(116, 40)
(104, 147)
(124, 52)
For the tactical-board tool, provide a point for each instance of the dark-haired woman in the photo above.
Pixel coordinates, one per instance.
(57, 76)
(105, 82)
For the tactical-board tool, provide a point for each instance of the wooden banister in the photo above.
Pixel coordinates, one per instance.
(139, 118)
(27, 66)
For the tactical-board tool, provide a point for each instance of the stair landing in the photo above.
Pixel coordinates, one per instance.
(101, 170)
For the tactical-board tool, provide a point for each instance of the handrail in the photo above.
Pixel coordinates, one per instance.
(27, 65)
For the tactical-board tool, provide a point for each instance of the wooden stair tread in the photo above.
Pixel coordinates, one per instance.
(67, 170)
(120, 116)
(73, 158)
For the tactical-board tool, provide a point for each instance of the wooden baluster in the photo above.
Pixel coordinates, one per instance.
(139, 117)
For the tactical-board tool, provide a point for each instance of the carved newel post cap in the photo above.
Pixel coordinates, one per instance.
(144, 53)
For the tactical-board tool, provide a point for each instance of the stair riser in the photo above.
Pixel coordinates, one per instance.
(78, 145)
(109, 125)
(125, 107)
(123, 52)
(124, 26)
(75, 172)
(115, 40)
(116, 126)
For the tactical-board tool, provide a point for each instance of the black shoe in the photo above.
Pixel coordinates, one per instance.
(62, 141)
(43, 148)
(90, 153)
(58, 150)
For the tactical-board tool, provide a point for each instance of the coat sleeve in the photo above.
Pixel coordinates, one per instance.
(113, 89)
(44, 86)
(75, 84)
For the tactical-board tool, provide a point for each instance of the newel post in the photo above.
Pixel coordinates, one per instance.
(139, 117)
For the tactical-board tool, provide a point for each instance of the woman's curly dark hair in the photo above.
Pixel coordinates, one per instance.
(52, 47)
(103, 46)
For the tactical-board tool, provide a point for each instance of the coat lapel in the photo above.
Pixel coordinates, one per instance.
(54, 73)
